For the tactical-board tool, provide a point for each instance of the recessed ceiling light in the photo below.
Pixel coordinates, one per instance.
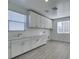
(46, 0)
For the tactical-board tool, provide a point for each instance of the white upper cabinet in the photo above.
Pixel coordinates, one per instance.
(42, 22)
(32, 19)
(38, 21)
(48, 23)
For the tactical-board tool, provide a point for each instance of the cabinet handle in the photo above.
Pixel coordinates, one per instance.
(18, 35)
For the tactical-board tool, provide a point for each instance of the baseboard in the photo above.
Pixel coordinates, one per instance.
(59, 41)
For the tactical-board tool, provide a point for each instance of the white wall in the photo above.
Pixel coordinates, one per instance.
(59, 36)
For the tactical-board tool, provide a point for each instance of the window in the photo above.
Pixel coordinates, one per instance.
(16, 21)
(63, 27)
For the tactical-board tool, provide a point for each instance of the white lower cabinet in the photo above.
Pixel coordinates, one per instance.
(39, 41)
(42, 40)
(34, 41)
(16, 47)
(20, 46)
(9, 50)
(26, 45)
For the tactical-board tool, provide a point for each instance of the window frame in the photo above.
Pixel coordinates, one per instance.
(25, 23)
(63, 27)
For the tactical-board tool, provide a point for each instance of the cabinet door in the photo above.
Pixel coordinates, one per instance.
(42, 22)
(26, 45)
(9, 49)
(16, 47)
(48, 23)
(45, 22)
(32, 19)
(41, 26)
(40, 41)
(34, 41)
(38, 21)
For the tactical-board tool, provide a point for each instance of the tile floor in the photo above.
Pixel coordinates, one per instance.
(52, 50)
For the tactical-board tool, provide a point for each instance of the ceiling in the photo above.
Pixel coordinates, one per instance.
(46, 8)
